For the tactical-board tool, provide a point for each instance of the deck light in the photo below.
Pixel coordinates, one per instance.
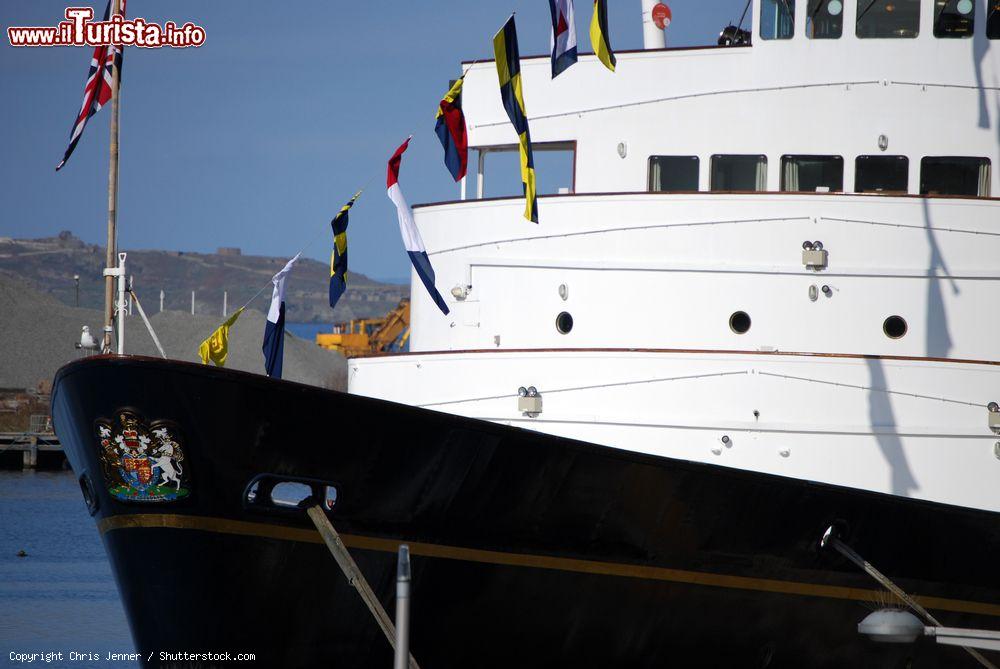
(900, 626)
(529, 401)
(813, 255)
(891, 626)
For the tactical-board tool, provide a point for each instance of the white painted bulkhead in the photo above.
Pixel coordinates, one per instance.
(912, 428)
(664, 272)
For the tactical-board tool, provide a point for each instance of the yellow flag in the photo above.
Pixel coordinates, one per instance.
(216, 347)
(599, 39)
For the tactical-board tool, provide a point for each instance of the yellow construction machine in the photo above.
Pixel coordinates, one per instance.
(370, 335)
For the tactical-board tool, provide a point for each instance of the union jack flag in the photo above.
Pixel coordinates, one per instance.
(99, 86)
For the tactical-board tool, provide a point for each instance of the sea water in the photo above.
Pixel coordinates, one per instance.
(61, 597)
(308, 331)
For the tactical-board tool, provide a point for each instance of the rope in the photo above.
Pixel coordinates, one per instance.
(787, 377)
(965, 86)
(302, 251)
(914, 227)
(149, 327)
(563, 235)
(873, 389)
(599, 386)
(688, 96)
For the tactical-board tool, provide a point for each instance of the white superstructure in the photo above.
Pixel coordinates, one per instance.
(667, 305)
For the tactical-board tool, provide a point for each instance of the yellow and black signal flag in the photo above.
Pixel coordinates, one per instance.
(599, 35)
(509, 72)
(338, 257)
(216, 347)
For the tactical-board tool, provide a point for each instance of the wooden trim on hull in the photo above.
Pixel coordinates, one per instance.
(284, 533)
(696, 351)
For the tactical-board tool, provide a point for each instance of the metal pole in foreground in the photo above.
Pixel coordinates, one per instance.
(402, 609)
(121, 303)
(109, 289)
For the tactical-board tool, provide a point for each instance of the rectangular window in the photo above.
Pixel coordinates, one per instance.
(555, 169)
(812, 174)
(881, 174)
(993, 21)
(777, 19)
(825, 19)
(954, 18)
(955, 176)
(888, 18)
(671, 174)
(735, 173)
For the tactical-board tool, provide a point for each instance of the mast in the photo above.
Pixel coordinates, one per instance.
(111, 261)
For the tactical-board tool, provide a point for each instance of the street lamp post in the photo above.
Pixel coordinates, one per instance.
(76, 279)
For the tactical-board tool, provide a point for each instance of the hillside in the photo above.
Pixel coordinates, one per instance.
(37, 336)
(48, 264)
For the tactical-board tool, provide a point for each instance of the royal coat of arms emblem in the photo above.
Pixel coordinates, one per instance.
(142, 463)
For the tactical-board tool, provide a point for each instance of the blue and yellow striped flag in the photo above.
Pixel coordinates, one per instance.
(509, 72)
(338, 257)
(599, 35)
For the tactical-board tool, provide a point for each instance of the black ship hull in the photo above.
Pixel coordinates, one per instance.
(528, 549)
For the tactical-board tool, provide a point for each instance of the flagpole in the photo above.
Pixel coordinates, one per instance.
(111, 261)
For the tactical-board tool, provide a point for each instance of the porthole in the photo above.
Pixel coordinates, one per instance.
(894, 327)
(564, 323)
(290, 494)
(739, 322)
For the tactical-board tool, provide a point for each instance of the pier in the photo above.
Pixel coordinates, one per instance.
(36, 448)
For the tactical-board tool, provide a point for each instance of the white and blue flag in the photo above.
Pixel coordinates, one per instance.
(408, 229)
(563, 35)
(274, 329)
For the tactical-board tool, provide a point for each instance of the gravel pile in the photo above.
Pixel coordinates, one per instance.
(38, 333)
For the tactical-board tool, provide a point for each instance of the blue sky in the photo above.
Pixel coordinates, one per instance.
(257, 138)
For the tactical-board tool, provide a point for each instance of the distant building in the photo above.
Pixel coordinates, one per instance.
(229, 251)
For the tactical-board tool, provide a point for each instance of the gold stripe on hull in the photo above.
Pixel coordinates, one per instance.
(268, 531)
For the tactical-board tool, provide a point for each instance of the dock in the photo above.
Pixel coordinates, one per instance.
(36, 448)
